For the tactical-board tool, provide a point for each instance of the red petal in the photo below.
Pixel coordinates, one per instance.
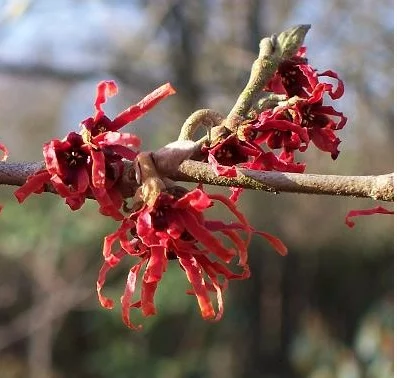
(219, 298)
(194, 276)
(331, 111)
(62, 189)
(142, 107)
(104, 89)
(107, 205)
(147, 298)
(275, 242)
(221, 170)
(128, 294)
(75, 202)
(50, 157)
(5, 152)
(232, 207)
(339, 89)
(34, 183)
(204, 236)
(236, 192)
(214, 267)
(156, 264)
(326, 140)
(196, 198)
(124, 152)
(106, 302)
(110, 138)
(241, 246)
(98, 169)
(83, 180)
(283, 125)
(357, 213)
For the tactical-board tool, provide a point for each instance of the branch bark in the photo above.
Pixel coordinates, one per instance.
(379, 187)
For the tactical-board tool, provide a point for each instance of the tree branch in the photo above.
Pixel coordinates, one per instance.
(379, 187)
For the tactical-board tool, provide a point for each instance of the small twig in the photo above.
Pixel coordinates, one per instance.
(271, 52)
(207, 118)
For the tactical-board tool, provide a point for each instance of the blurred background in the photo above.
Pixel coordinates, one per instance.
(325, 310)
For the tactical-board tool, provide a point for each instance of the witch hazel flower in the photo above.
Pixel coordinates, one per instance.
(296, 77)
(303, 117)
(84, 164)
(170, 227)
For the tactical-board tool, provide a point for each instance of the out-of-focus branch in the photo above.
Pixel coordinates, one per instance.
(379, 187)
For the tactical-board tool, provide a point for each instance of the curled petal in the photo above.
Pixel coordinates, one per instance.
(196, 198)
(357, 213)
(105, 89)
(34, 184)
(338, 92)
(129, 291)
(104, 301)
(216, 268)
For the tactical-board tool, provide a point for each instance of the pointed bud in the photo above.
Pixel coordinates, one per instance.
(291, 40)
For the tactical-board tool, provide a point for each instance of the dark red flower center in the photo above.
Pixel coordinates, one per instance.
(159, 219)
(311, 118)
(289, 77)
(229, 154)
(75, 158)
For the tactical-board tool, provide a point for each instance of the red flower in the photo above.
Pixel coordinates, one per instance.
(276, 129)
(312, 115)
(295, 77)
(232, 150)
(76, 171)
(83, 165)
(174, 228)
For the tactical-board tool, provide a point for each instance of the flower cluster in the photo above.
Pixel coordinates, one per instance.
(270, 139)
(166, 222)
(174, 228)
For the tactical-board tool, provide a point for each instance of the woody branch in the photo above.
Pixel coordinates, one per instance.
(379, 187)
